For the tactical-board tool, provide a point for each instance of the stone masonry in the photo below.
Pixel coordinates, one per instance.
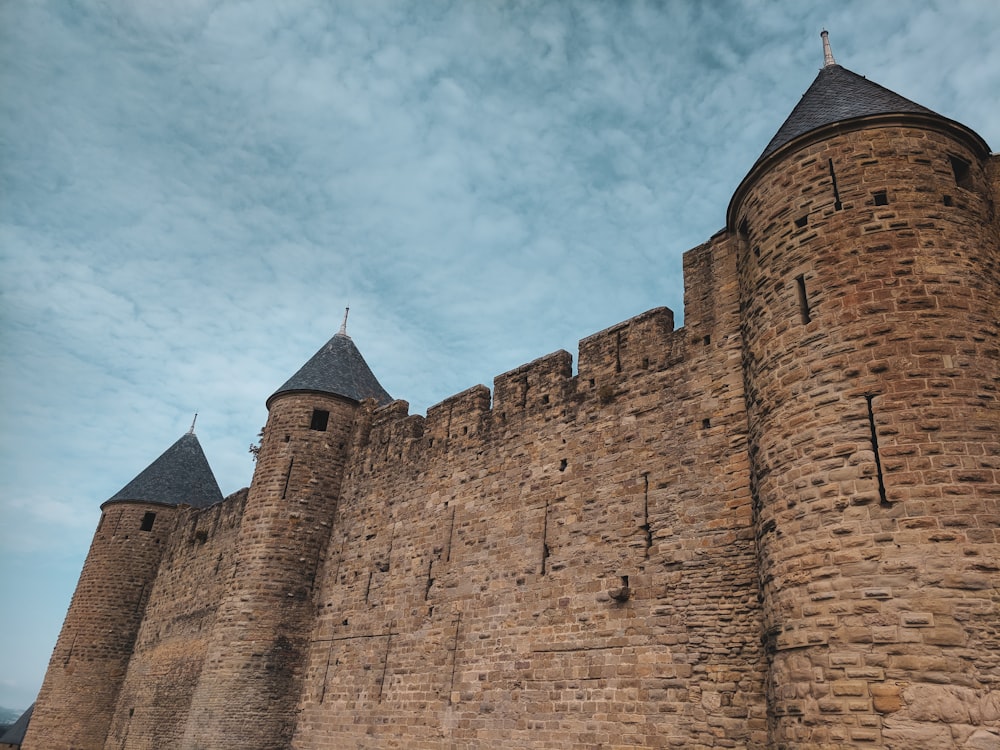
(775, 527)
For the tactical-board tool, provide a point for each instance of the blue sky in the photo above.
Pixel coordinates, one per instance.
(191, 193)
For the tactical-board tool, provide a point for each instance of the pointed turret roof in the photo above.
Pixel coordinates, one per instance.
(181, 475)
(839, 98)
(337, 368)
(15, 733)
(837, 94)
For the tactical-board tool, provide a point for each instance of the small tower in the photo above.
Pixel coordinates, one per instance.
(85, 673)
(869, 274)
(247, 693)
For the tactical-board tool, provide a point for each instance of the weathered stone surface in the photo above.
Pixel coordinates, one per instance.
(778, 526)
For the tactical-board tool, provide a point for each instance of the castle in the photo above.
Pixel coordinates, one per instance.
(777, 526)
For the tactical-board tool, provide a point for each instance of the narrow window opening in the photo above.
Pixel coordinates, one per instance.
(147, 522)
(545, 537)
(963, 172)
(563, 464)
(881, 198)
(454, 655)
(707, 340)
(883, 500)
(802, 221)
(451, 535)
(545, 399)
(948, 201)
(836, 193)
(706, 423)
(320, 419)
(288, 476)
(430, 581)
(385, 665)
(800, 283)
(646, 527)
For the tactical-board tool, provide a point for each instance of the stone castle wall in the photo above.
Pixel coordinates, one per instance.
(870, 279)
(573, 565)
(80, 691)
(172, 643)
(777, 526)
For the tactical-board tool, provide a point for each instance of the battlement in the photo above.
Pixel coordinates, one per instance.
(775, 526)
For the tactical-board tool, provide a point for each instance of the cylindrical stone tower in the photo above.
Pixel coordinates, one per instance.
(249, 687)
(78, 696)
(870, 297)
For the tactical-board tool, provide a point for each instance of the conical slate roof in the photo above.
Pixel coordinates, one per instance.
(337, 368)
(837, 94)
(15, 733)
(180, 476)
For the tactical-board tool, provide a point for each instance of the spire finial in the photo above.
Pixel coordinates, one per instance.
(827, 52)
(343, 326)
(191, 431)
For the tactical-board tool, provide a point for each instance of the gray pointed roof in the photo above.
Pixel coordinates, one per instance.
(15, 733)
(838, 94)
(181, 475)
(337, 368)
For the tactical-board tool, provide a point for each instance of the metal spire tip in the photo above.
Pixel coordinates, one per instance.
(827, 52)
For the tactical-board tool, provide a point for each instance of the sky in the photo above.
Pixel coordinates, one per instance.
(192, 192)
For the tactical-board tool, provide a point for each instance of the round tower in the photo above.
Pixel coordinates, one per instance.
(78, 696)
(248, 691)
(869, 274)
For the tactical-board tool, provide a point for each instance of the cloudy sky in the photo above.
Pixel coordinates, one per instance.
(191, 193)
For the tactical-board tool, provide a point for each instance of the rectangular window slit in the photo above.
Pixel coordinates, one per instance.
(288, 476)
(881, 198)
(800, 283)
(948, 201)
(883, 500)
(320, 419)
(545, 537)
(836, 193)
(147, 522)
(646, 527)
(802, 221)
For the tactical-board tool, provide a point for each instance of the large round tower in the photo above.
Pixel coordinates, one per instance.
(77, 699)
(248, 690)
(869, 276)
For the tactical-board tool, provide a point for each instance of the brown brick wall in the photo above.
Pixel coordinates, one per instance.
(880, 597)
(249, 686)
(469, 594)
(171, 645)
(459, 580)
(85, 673)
